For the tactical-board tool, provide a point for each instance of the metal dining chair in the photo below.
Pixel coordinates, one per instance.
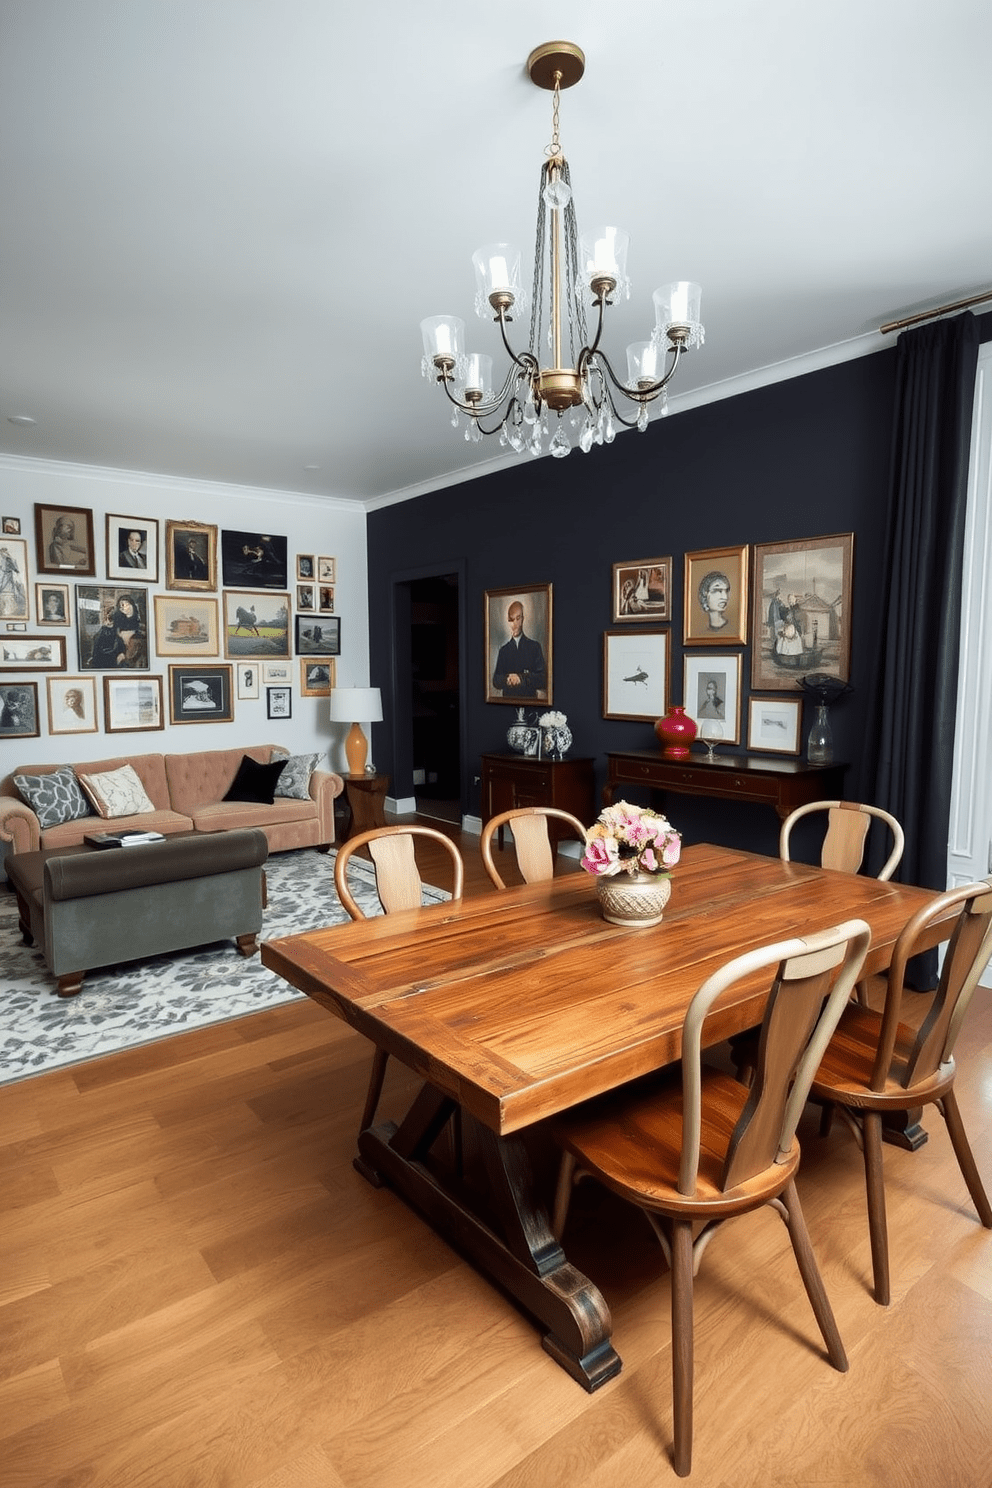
(874, 1063)
(532, 840)
(694, 1146)
(399, 886)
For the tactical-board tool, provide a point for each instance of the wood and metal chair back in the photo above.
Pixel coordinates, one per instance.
(875, 1063)
(532, 840)
(399, 886)
(847, 828)
(695, 1146)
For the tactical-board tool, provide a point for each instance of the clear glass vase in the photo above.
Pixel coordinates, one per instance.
(820, 744)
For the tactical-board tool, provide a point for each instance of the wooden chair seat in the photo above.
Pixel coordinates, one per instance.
(850, 1059)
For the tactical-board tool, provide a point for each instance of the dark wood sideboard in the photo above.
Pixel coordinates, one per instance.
(784, 784)
(510, 781)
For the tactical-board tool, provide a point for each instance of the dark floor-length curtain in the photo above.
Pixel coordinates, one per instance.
(911, 737)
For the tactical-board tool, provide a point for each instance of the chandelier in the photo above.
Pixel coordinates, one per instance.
(529, 411)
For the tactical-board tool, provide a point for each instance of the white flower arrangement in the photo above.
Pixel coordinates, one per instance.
(554, 719)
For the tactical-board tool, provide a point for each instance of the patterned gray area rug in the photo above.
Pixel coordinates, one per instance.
(138, 1002)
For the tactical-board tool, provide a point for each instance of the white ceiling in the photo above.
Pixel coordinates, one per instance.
(222, 220)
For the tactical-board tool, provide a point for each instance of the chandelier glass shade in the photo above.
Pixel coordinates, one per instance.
(562, 385)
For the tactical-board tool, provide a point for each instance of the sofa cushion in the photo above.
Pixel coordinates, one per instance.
(54, 798)
(202, 777)
(223, 816)
(116, 792)
(294, 781)
(254, 782)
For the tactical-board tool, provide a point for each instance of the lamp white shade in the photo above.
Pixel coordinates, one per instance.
(356, 705)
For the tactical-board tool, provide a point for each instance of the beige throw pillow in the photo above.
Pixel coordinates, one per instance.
(116, 792)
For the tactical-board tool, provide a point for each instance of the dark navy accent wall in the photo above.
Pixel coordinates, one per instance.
(802, 458)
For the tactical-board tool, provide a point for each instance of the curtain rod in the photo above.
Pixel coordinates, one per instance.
(900, 325)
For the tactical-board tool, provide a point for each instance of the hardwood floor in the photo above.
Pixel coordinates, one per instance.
(198, 1289)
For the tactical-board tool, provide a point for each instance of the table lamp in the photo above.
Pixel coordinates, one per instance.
(349, 704)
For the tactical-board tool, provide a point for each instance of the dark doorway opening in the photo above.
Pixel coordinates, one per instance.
(435, 694)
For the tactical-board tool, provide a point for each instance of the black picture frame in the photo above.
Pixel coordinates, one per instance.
(318, 635)
(201, 694)
(278, 702)
(253, 560)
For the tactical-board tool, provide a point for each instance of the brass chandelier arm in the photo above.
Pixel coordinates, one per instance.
(650, 392)
(526, 361)
(478, 409)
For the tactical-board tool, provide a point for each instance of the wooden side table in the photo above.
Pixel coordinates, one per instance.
(365, 797)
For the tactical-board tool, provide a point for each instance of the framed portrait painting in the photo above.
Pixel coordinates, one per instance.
(801, 611)
(132, 548)
(32, 653)
(63, 538)
(52, 603)
(318, 637)
(519, 645)
(19, 710)
(112, 627)
(642, 589)
(253, 560)
(316, 677)
(131, 704)
(306, 567)
(712, 697)
(14, 579)
(773, 724)
(200, 694)
(72, 705)
(256, 625)
(190, 555)
(714, 597)
(635, 674)
(187, 626)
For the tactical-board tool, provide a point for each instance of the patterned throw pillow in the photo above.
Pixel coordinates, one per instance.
(54, 798)
(295, 778)
(117, 792)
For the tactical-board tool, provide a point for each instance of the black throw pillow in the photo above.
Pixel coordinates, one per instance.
(255, 782)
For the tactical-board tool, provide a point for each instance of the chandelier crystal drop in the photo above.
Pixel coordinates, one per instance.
(561, 390)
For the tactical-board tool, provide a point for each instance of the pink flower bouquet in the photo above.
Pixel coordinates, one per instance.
(631, 839)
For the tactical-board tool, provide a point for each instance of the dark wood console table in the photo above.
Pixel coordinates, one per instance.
(784, 784)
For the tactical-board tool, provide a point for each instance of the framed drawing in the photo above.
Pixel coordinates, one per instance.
(256, 625)
(277, 672)
(305, 597)
(14, 579)
(712, 697)
(715, 597)
(186, 627)
(111, 627)
(200, 694)
(63, 538)
(642, 590)
(318, 637)
(132, 703)
(278, 702)
(253, 560)
(247, 679)
(32, 653)
(317, 677)
(306, 567)
(52, 603)
(518, 645)
(635, 673)
(801, 611)
(19, 710)
(12, 526)
(325, 598)
(72, 705)
(325, 570)
(190, 555)
(773, 724)
(132, 548)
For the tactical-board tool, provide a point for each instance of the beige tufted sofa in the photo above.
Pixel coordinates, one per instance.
(187, 791)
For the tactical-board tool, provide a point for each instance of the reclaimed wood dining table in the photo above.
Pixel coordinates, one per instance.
(513, 1006)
